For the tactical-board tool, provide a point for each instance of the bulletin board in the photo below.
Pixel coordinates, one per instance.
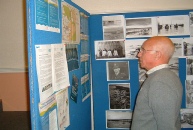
(110, 95)
(90, 67)
(53, 43)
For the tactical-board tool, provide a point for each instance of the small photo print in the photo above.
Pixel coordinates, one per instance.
(119, 96)
(186, 118)
(113, 33)
(142, 74)
(115, 20)
(188, 46)
(178, 47)
(191, 18)
(189, 67)
(132, 47)
(189, 93)
(105, 50)
(117, 70)
(118, 119)
(113, 27)
(174, 65)
(141, 27)
(191, 23)
(173, 25)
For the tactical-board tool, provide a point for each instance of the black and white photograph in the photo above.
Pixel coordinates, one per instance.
(191, 23)
(118, 119)
(189, 93)
(142, 75)
(174, 65)
(186, 118)
(189, 67)
(115, 20)
(188, 46)
(113, 33)
(173, 25)
(72, 56)
(178, 47)
(118, 70)
(113, 27)
(132, 47)
(191, 18)
(140, 27)
(119, 96)
(105, 50)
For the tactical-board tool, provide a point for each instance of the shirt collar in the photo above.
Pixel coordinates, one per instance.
(157, 68)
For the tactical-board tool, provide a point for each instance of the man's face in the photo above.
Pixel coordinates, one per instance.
(146, 56)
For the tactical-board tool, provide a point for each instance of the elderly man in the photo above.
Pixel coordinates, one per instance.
(159, 99)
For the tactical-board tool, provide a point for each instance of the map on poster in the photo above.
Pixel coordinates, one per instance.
(70, 24)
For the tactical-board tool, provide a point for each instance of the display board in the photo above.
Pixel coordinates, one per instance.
(88, 50)
(115, 39)
(59, 65)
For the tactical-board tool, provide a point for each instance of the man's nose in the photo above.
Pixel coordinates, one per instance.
(138, 54)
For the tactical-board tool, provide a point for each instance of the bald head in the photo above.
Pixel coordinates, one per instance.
(157, 50)
(162, 44)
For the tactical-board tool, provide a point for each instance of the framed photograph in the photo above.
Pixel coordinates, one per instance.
(188, 47)
(113, 33)
(174, 65)
(132, 47)
(178, 47)
(191, 23)
(189, 67)
(119, 96)
(141, 27)
(173, 25)
(105, 50)
(118, 119)
(118, 70)
(114, 20)
(113, 27)
(189, 93)
(186, 118)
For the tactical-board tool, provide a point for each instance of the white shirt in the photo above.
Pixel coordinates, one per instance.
(157, 68)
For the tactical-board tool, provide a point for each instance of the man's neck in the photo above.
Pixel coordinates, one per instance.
(157, 68)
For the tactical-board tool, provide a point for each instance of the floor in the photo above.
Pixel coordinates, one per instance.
(12, 120)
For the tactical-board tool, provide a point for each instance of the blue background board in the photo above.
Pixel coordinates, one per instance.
(182, 75)
(99, 76)
(80, 112)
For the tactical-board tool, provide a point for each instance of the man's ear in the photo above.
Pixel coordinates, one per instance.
(158, 55)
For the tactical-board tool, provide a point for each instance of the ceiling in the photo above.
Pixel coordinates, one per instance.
(126, 6)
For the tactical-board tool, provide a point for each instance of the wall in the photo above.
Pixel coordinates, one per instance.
(14, 90)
